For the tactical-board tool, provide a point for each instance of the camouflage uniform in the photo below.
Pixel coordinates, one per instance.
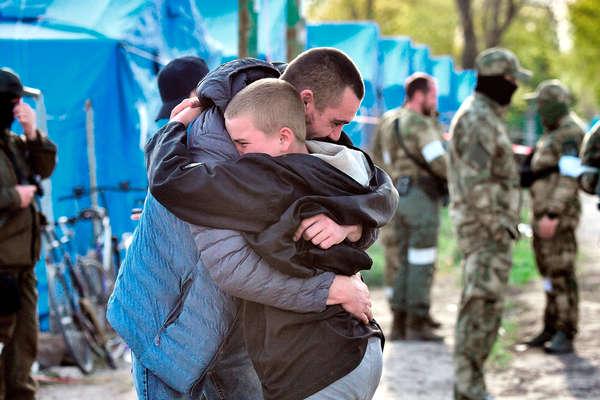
(484, 188)
(556, 196)
(410, 240)
(590, 158)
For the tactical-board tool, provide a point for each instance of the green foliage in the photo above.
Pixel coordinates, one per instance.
(532, 36)
(584, 60)
(409, 18)
(374, 276)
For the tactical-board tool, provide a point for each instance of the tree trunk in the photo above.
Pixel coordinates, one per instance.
(469, 38)
(370, 9)
(501, 15)
(247, 29)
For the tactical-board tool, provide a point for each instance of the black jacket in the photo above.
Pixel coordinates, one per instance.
(20, 227)
(267, 198)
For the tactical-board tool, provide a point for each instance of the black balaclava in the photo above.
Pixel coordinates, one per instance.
(6, 111)
(497, 88)
(551, 113)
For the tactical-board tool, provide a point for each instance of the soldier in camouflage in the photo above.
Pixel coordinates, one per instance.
(408, 145)
(590, 158)
(485, 198)
(556, 211)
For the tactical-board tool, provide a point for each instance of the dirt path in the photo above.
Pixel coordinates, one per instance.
(424, 371)
(415, 371)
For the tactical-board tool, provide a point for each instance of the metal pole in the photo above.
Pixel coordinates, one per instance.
(91, 156)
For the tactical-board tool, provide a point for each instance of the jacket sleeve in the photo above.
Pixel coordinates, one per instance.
(9, 199)
(42, 155)
(557, 190)
(240, 272)
(431, 148)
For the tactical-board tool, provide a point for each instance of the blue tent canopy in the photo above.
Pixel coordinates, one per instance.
(395, 68)
(442, 69)
(221, 22)
(420, 59)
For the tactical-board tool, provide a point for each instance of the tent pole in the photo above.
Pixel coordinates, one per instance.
(91, 156)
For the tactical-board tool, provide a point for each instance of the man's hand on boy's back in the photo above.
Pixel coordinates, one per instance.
(322, 231)
(353, 295)
(186, 111)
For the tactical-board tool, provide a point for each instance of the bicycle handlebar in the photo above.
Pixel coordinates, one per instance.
(80, 192)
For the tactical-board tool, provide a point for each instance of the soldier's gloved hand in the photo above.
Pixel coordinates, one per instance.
(353, 295)
(546, 226)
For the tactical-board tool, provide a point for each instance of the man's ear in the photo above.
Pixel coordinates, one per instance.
(286, 139)
(308, 97)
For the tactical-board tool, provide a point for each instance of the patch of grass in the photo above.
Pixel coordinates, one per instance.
(501, 356)
(374, 276)
(524, 269)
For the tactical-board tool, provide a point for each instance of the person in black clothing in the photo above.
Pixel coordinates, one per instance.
(21, 159)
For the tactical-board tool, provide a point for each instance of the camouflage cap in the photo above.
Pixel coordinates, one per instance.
(551, 91)
(500, 61)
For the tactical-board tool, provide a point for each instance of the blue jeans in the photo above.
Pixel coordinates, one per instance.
(232, 377)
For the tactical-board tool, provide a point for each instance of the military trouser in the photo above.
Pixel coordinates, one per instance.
(18, 338)
(485, 276)
(410, 242)
(555, 259)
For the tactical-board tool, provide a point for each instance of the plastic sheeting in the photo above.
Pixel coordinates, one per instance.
(50, 60)
(394, 61)
(220, 20)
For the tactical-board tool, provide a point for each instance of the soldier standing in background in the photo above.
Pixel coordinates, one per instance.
(483, 179)
(590, 158)
(408, 146)
(556, 211)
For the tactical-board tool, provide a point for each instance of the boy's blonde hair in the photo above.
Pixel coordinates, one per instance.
(272, 104)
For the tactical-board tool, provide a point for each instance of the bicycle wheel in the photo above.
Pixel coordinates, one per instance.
(95, 332)
(62, 315)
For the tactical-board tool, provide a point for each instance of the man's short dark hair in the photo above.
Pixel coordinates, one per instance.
(327, 72)
(417, 82)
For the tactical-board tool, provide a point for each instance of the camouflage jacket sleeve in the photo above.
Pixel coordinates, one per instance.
(554, 193)
(380, 151)
(590, 158)
(430, 146)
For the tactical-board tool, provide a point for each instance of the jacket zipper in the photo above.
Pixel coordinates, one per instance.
(175, 311)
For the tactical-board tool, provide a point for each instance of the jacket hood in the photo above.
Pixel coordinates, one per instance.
(221, 84)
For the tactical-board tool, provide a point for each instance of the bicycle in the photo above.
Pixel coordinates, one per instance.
(73, 305)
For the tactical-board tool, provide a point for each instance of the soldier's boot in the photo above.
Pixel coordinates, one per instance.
(432, 322)
(541, 338)
(398, 326)
(418, 329)
(561, 343)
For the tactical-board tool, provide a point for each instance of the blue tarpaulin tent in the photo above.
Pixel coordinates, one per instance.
(221, 22)
(108, 53)
(442, 69)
